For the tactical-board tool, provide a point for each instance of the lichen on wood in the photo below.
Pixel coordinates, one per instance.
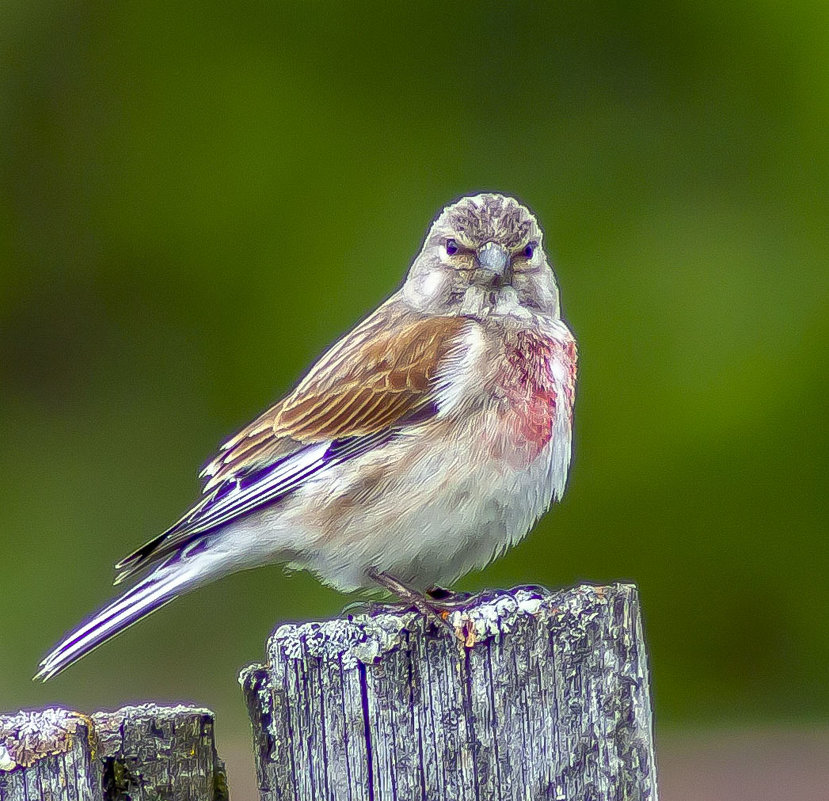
(138, 753)
(535, 696)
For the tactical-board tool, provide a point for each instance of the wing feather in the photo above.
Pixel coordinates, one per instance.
(362, 385)
(363, 390)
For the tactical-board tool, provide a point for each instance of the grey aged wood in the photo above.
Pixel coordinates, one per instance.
(140, 753)
(541, 696)
(47, 754)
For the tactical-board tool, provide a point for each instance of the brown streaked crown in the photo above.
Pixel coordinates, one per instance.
(478, 219)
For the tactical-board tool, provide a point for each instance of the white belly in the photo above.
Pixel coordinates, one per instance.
(440, 511)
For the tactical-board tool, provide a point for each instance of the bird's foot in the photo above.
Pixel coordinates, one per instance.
(439, 599)
(433, 610)
(436, 604)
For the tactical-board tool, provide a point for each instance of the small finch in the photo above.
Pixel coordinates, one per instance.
(421, 446)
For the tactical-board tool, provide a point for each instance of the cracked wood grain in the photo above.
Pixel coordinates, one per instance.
(541, 696)
(137, 753)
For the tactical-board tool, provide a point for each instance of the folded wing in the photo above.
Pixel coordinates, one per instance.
(375, 382)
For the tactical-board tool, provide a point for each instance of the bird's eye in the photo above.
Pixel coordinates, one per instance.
(530, 250)
(451, 247)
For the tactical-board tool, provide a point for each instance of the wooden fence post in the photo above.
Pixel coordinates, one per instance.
(138, 753)
(542, 696)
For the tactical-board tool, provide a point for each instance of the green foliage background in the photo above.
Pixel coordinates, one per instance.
(198, 197)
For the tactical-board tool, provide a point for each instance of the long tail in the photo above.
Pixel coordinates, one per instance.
(169, 580)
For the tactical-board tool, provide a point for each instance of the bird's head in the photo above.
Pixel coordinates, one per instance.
(483, 256)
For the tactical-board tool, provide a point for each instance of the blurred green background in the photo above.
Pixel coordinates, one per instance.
(198, 198)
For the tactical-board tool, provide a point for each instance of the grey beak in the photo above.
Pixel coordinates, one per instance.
(493, 257)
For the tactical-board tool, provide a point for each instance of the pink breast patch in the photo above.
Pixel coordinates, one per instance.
(531, 390)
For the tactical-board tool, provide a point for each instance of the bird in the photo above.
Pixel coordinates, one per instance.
(422, 445)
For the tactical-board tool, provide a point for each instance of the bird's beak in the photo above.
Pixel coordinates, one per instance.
(493, 257)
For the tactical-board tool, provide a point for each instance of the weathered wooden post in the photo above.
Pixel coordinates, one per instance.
(539, 697)
(140, 753)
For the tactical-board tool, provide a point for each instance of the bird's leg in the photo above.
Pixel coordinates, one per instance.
(410, 596)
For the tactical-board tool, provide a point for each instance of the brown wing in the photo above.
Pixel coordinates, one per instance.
(381, 372)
